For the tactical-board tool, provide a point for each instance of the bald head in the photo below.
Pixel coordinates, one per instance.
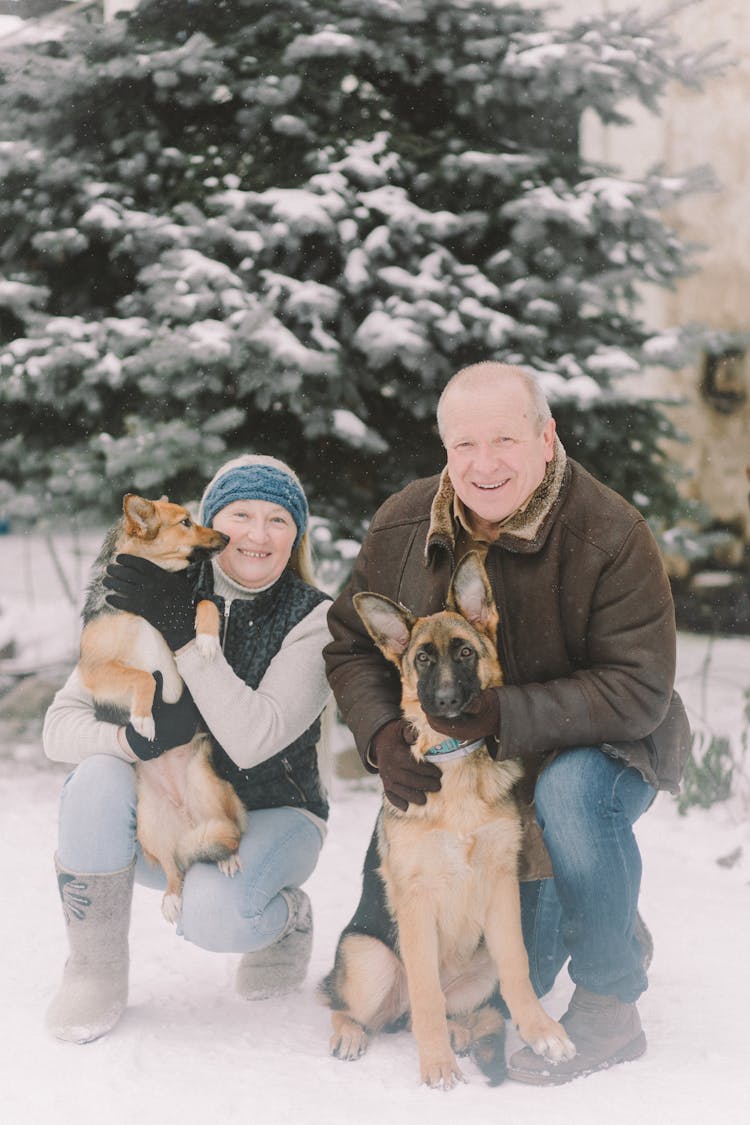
(492, 376)
(499, 437)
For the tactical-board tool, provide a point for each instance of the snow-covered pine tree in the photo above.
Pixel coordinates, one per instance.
(229, 225)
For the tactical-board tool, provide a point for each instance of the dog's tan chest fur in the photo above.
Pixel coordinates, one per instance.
(167, 775)
(447, 874)
(473, 827)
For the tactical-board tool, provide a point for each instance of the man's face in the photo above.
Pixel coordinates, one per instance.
(496, 458)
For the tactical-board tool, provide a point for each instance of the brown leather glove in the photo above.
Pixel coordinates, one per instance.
(479, 719)
(405, 780)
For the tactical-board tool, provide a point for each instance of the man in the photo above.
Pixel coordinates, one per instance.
(587, 646)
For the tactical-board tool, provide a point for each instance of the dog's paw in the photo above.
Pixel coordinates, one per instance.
(207, 645)
(559, 1048)
(460, 1037)
(171, 907)
(144, 725)
(349, 1041)
(550, 1041)
(441, 1073)
(230, 866)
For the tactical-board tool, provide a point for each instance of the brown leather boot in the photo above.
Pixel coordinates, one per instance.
(605, 1032)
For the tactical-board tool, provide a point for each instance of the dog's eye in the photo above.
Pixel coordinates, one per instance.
(421, 658)
(187, 522)
(466, 653)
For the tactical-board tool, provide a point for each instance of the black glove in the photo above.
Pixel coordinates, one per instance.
(175, 724)
(162, 598)
(405, 780)
(479, 719)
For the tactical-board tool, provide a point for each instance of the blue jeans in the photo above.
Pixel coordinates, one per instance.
(586, 805)
(97, 834)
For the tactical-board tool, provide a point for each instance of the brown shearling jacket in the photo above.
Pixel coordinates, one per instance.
(587, 638)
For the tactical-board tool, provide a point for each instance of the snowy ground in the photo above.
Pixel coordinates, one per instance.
(189, 1050)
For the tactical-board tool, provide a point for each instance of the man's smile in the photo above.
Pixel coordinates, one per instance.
(490, 487)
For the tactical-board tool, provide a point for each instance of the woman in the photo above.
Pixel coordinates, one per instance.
(261, 700)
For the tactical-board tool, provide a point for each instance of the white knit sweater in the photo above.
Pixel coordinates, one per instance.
(251, 724)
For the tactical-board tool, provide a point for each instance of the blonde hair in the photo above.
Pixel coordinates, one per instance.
(491, 373)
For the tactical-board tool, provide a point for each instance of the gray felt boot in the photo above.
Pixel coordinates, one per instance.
(94, 989)
(281, 967)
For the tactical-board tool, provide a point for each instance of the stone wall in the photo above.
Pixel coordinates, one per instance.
(710, 127)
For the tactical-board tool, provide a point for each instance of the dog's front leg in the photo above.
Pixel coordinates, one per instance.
(207, 629)
(504, 937)
(418, 941)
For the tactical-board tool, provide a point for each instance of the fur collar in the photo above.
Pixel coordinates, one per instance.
(525, 530)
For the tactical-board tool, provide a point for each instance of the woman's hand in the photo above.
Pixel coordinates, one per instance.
(162, 598)
(175, 724)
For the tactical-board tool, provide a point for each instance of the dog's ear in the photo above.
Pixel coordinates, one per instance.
(470, 594)
(388, 624)
(141, 519)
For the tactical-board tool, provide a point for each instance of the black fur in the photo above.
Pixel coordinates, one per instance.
(94, 604)
(446, 683)
(372, 916)
(489, 1055)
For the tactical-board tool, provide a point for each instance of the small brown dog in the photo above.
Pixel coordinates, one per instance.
(438, 924)
(185, 812)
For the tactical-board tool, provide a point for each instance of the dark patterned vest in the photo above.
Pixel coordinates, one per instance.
(253, 633)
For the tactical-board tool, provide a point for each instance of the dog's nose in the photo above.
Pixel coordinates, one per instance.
(446, 701)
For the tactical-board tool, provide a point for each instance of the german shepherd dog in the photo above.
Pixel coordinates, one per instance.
(439, 919)
(186, 813)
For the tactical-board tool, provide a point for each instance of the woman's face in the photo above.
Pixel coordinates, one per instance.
(261, 537)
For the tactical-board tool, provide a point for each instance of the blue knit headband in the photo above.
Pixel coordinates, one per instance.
(257, 482)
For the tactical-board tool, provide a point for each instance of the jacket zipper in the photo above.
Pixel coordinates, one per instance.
(227, 607)
(291, 779)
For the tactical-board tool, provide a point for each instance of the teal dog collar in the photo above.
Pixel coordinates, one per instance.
(451, 748)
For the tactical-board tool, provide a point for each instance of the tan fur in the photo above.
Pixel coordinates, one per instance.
(185, 812)
(449, 868)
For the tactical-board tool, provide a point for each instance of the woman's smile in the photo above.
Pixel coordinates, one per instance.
(261, 537)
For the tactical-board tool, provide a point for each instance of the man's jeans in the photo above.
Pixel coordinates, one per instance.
(225, 915)
(586, 805)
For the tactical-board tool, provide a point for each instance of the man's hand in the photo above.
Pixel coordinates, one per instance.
(405, 780)
(175, 724)
(479, 719)
(162, 598)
